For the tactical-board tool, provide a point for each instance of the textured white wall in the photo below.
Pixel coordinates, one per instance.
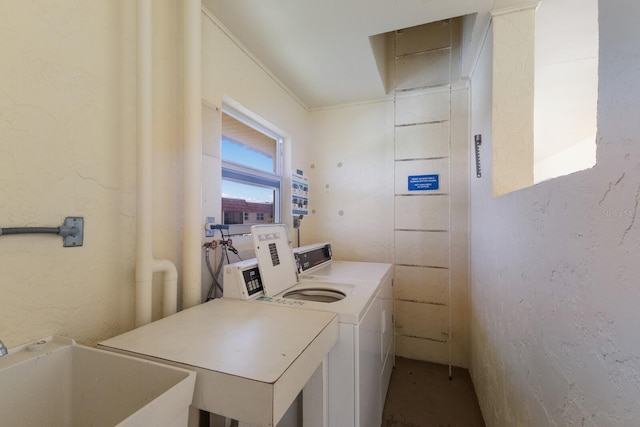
(579, 156)
(513, 98)
(555, 267)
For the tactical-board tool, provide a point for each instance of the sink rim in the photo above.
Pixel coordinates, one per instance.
(75, 373)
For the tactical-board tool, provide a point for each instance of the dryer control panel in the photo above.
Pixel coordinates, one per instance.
(311, 256)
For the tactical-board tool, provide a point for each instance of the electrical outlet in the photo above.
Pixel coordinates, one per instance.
(208, 229)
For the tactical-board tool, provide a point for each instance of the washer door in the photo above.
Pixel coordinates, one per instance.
(315, 294)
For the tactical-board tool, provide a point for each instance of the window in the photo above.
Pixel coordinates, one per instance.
(545, 91)
(251, 172)
(231, 217)
(566, 87)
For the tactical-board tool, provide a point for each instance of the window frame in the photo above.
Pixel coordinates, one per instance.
(243, 174)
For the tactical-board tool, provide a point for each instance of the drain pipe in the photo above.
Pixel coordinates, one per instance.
(145, 264)
(192, 244)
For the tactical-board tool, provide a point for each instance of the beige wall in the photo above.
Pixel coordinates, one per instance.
(67, 145)
(354, 180)
(67, 96)
(350, 170)
(67, 92)
(231, 71)
(232, 74)
(555, 267)
(351, 184)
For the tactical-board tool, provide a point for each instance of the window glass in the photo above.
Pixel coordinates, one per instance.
(247, 146)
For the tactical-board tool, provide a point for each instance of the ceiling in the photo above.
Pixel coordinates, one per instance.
(320, 50)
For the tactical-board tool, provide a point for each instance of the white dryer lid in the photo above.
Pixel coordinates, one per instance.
(276, 262)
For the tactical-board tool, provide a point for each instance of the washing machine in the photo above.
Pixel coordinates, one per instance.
(356, 369)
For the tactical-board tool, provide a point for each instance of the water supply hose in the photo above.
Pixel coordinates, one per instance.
(29, 230)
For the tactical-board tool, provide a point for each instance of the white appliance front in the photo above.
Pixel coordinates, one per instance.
(359, 365)
(376, 329)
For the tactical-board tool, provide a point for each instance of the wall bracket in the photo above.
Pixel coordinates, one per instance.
(72, 231)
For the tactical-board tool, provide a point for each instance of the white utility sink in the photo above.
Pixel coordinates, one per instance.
(56, 382)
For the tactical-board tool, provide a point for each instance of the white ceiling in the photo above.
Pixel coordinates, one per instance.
(320, 49)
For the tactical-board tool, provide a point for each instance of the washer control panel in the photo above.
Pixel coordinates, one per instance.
(252, 281)
(242, 280)
(282, 301)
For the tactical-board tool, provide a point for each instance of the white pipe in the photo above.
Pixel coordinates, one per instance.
(145, 264)
(170, 286)
(144, 272)
(192, 244)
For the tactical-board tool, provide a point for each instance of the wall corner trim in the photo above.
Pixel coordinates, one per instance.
(247, 52)
(516, 8)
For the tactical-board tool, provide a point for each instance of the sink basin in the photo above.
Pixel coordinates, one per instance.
(56, 382)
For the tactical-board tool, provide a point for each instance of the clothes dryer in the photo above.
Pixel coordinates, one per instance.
(315, 263)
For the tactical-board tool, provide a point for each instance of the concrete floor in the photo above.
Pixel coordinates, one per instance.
(421, 395)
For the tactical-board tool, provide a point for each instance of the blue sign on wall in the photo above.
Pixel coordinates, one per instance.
(423, 182)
